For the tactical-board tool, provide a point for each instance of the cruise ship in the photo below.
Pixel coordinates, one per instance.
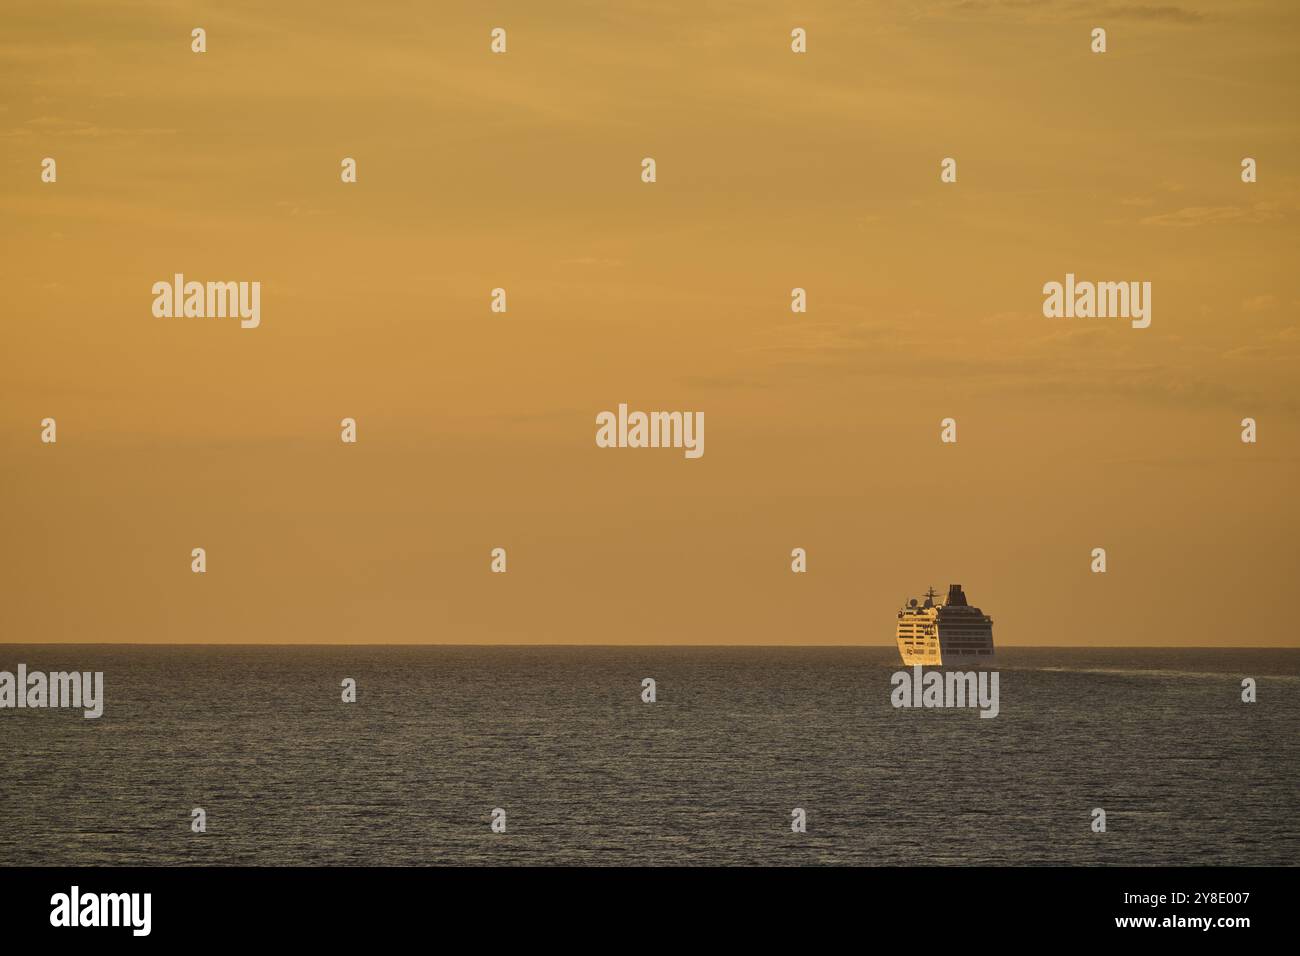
(950, 634)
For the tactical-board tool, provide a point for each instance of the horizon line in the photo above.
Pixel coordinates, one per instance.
(1135, 647)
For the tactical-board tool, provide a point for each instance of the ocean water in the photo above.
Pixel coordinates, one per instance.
(588, 774)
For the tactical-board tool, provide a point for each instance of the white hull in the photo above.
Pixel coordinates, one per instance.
(940, 659)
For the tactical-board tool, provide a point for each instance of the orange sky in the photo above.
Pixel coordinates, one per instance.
(523, 171)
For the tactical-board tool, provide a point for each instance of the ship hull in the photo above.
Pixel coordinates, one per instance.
(937, 657)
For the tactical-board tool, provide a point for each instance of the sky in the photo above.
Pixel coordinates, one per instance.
(523, 171)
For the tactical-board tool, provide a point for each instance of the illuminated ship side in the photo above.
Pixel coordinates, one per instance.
(951, 634)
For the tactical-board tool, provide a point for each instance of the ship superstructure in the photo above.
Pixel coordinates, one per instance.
(950, 634)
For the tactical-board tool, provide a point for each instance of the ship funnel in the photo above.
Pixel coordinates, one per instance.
(955, 595)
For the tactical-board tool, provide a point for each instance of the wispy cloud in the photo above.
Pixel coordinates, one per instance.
(47, 127)
(1190, 216)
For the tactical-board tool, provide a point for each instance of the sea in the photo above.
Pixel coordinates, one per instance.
(558, 744)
